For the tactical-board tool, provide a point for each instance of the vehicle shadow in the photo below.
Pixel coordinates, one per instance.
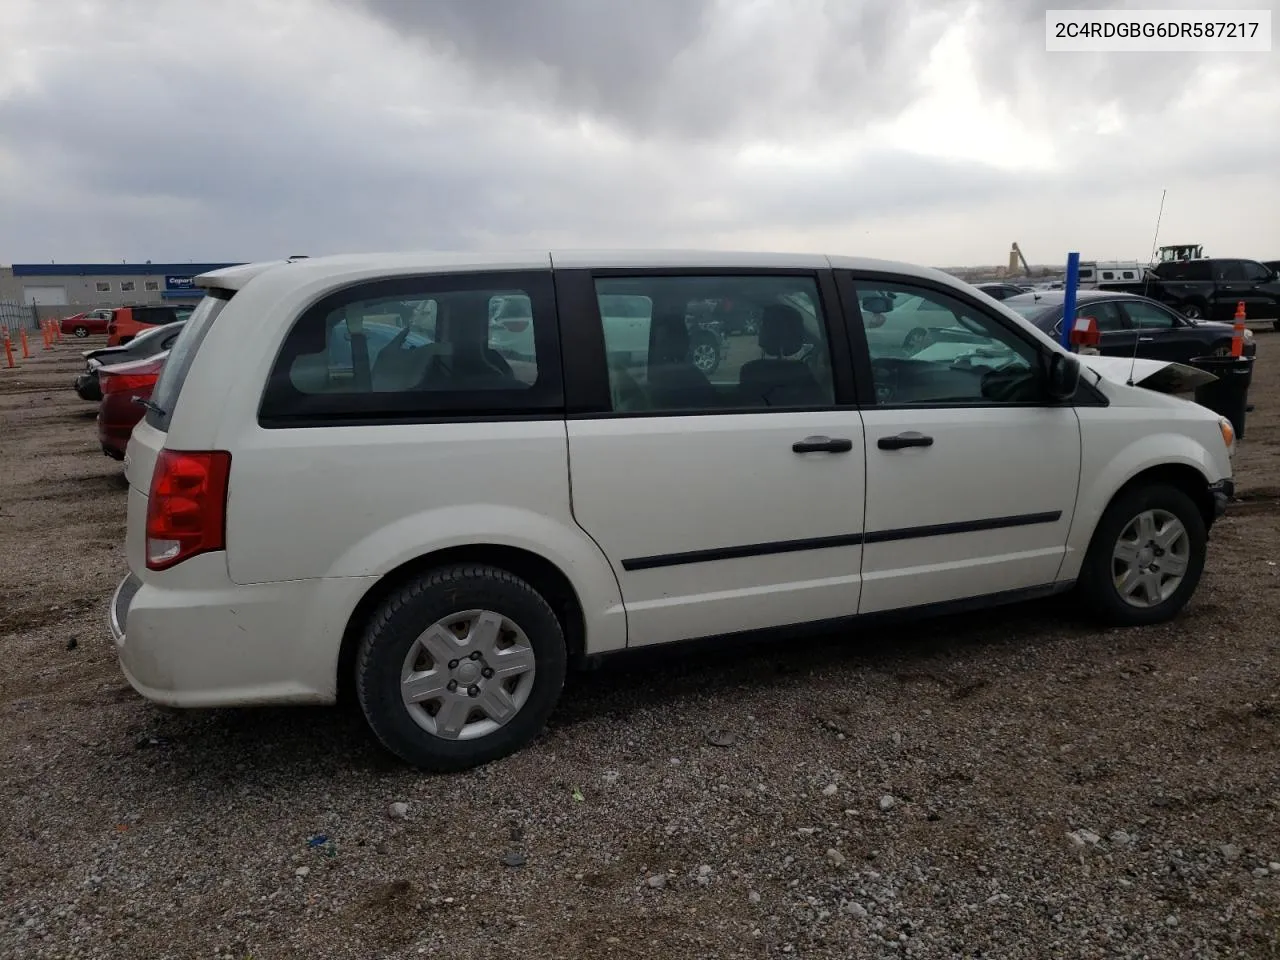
(287, 746)
(642, 679)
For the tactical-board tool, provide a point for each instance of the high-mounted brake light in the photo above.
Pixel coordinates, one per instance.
(187, 508)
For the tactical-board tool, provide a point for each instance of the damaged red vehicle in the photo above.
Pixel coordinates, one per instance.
(126, 391)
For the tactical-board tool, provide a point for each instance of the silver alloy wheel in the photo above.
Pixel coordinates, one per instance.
(1150, 558)
(467, 675)
(704, 357)
(81, 332)
(1192, 311)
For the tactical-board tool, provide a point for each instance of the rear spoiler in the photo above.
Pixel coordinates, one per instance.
(234, 278)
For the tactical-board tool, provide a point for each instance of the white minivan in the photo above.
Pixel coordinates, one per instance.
(443, 528)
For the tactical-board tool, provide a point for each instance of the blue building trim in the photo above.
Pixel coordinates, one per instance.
(115, 269)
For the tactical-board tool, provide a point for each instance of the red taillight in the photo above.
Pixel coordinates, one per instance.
(187, 509)
(124, 382)
(138, 375)
(515, 326)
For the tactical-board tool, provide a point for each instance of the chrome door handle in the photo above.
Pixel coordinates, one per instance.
(1145, 339)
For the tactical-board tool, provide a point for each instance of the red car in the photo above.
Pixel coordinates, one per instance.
(123, 385)
(83, 324)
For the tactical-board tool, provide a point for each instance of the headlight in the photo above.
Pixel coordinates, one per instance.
(1248, 334)
(1228, 435)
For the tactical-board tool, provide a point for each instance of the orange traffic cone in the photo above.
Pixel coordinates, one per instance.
(1237, 335)
(8, 348)
(26, 353)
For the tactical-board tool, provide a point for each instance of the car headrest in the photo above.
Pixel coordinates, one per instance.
(781, 330)
(670, 338)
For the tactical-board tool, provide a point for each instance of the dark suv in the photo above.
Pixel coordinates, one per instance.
(1210, 289)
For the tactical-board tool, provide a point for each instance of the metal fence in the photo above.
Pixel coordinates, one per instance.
(16, 316)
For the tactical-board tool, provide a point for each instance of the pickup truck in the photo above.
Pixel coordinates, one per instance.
(1210, 288)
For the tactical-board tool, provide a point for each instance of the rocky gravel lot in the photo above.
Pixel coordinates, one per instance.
(1015, 784)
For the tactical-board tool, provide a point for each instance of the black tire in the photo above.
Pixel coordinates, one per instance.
(396, 625)
(1096, 584)
(1221, 349)
(1195, 310)
(81, 332)
(1275, 325)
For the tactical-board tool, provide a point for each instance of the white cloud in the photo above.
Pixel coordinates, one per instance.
(935, 132)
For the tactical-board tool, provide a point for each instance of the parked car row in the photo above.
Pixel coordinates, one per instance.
(146, 344)
(120, 378)
(122, 324)
(1209, 288)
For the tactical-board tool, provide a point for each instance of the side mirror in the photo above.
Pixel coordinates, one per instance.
(876, 304)
(1063, 376)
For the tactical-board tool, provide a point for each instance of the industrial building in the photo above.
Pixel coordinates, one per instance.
(62, 289)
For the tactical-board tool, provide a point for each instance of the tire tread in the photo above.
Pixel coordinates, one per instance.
(386, 619)
(1093, 585)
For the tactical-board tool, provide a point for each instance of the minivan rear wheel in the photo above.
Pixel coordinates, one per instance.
(1146, 558)
(460, 667)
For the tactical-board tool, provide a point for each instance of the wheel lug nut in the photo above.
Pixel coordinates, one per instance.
(487, 673)
(473, 691)
(453, 664)
(475, 655)
(452, 685)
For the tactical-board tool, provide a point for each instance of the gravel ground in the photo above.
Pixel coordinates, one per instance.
(1014, 784)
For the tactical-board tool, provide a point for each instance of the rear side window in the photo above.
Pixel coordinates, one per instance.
(181, 355)
(666, 355)
(1193, 270)
(1230, 271)
(420, 348)
(1105, 312)
(154, 315)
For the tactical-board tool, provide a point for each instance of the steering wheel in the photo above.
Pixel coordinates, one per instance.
(1006, 385)
(884, 376)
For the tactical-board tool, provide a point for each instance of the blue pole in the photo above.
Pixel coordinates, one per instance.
(1069, 297)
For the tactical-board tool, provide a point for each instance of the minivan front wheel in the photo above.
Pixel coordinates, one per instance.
(460, 667)
(1146, 557)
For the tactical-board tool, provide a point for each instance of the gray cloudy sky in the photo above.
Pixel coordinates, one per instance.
(929, 130)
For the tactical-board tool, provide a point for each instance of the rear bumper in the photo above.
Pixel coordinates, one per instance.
(201, 641)
(1222, 491)
(113, 440)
